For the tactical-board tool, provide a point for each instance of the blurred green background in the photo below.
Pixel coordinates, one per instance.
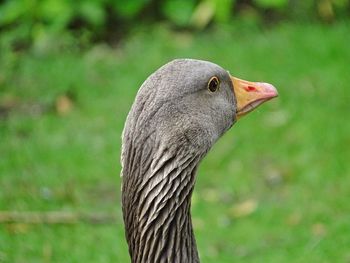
(275, 188)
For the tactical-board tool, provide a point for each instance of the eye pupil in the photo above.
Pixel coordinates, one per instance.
(213, 84)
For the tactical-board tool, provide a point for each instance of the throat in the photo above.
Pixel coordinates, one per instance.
(156, 211)
(169, 238)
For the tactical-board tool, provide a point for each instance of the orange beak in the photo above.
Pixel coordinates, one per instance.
(250, 95)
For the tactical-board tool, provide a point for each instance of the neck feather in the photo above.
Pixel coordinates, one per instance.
(156, 197)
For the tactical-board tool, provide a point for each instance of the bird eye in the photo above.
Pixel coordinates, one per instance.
(213, 84)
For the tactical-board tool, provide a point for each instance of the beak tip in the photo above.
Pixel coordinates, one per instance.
(269, 89)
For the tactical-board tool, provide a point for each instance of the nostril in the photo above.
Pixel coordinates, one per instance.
(250, 88)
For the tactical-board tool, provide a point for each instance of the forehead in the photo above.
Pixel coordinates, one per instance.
(190, 71)
(180, 77)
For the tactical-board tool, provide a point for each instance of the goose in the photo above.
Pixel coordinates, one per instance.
(179, 112)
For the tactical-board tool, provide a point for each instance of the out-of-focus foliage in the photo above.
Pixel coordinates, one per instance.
(31, 21)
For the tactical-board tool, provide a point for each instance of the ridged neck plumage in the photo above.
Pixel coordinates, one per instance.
(158, 180)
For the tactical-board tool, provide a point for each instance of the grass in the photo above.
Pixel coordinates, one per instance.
(275, 188)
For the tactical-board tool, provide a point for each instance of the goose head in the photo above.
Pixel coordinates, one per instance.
(179, 112)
